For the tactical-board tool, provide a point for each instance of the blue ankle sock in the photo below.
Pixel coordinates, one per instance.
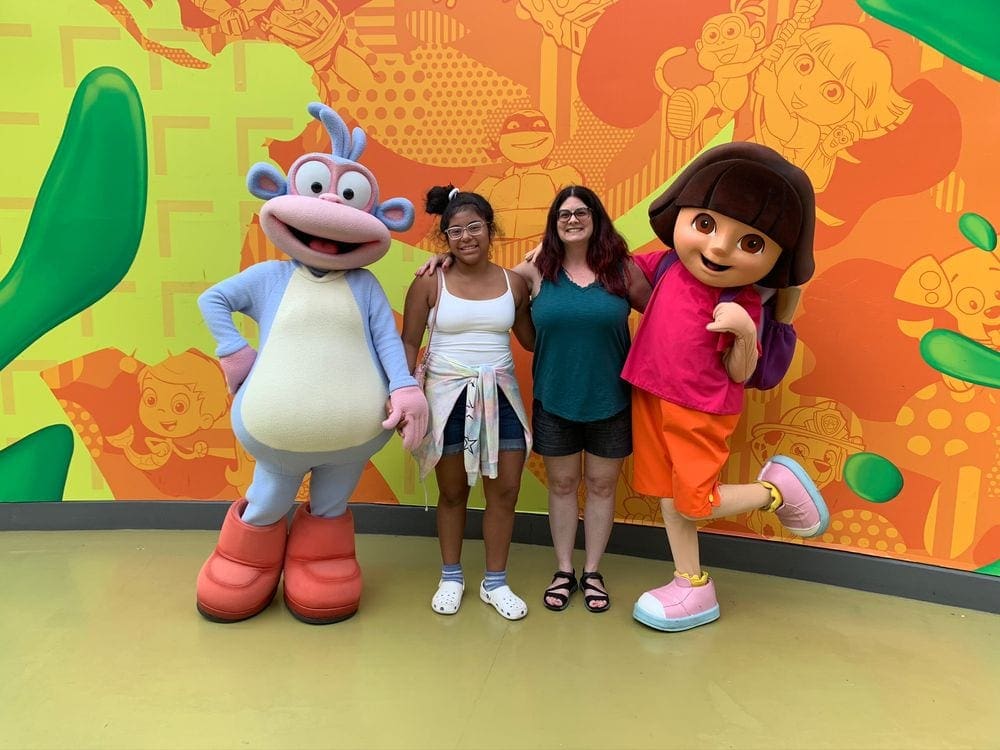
(495, 579)
(452, 573)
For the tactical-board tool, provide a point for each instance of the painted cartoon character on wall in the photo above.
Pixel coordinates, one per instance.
(523, 193)
(731, 49)
(822, 91)
(737, 216)
(179, 399)
(314, 398)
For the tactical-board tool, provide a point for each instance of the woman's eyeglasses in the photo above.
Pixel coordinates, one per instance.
(474, 229)
(580, 213)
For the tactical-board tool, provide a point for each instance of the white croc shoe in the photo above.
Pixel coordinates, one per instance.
(448, 598)
(504, 601)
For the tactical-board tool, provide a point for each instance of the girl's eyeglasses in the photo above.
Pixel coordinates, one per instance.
(474, 229)
(580, 213)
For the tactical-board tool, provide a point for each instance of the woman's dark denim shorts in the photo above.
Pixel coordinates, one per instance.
(511, 430)
(606, 438)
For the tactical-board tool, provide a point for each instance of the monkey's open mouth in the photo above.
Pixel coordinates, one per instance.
(322, 244)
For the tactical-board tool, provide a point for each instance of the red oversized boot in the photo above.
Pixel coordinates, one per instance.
(240, 577)
(322, 576)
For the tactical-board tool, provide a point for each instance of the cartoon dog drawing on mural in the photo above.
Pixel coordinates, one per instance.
(314, 398)
(966, 286)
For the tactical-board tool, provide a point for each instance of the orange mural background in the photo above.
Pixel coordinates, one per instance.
(515, 98)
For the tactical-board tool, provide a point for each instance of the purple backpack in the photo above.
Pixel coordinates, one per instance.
(777, 339)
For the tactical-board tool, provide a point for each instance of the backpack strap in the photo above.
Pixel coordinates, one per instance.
(730, 294)
(669, 258)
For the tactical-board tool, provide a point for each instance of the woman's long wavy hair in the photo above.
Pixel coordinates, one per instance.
(606, 252)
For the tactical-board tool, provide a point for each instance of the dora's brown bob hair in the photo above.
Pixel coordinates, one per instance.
(755, 185)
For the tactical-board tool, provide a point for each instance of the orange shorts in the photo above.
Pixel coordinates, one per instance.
(679, 452)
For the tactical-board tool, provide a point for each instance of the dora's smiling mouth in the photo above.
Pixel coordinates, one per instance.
(718, 268)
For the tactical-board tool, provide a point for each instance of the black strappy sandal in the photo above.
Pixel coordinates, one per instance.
(599, 596)
(567, 581)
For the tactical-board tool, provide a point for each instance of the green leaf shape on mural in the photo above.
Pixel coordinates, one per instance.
(873, 477)
(87, 220)
(965, 31)
(993, 569)
(34, 469)
(81, 239)
(961, 357)
(978, 231)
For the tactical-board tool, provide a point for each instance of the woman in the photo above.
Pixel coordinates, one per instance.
(583, 283)
(478, 425)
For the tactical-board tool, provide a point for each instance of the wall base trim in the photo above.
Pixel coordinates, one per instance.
(880, 575)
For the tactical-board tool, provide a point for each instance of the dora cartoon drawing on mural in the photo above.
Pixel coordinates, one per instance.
(180, 398)
(820, 91)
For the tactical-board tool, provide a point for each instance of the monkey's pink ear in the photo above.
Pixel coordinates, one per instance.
(266, 181)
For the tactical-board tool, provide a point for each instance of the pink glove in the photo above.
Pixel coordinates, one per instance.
(409, 411)
(236, 367)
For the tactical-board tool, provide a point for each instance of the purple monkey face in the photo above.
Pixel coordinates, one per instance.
(326, 220)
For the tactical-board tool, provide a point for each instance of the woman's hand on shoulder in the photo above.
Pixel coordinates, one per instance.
(443, 260)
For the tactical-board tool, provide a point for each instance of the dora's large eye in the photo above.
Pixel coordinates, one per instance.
(149, 397)
(833, 91)
(312, 178)
(354, 189)
(704, 223)
(804, 64)
(751, 243)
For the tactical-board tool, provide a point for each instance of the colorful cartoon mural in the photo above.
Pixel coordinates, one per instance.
(889, 106)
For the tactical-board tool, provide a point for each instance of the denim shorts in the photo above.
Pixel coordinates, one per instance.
(605, 438)
(511, 430)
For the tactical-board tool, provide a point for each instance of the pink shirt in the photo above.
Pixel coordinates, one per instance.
(673, 356)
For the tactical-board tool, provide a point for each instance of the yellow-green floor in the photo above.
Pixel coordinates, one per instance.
(101, 647)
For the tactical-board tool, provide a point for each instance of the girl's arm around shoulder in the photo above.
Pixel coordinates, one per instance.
(523, 328)
(528, 271)
(639, 289)
(420, 298)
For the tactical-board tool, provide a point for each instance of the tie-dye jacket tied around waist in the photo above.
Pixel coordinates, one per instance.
(445, 381)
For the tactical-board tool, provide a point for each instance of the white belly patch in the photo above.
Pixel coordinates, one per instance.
(314, 386)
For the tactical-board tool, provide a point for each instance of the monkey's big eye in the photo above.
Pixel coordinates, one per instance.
(704, 223)
(312, 178)
(354, 189)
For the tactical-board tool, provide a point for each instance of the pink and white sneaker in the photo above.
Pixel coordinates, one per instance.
(802, 510)
(678, 606)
